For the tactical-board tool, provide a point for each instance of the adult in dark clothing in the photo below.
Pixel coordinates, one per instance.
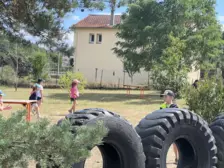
(195, 84)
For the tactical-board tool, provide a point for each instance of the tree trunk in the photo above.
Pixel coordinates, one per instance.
(222, 69)
(148, 78)
(113, 3)
(17, 68)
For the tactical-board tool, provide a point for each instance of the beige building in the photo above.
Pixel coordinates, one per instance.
(94, 38)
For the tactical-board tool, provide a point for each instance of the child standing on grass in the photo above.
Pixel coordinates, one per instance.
(169, 96)
(33, 96)
(74, 94)
(2, 107)
(40, 97)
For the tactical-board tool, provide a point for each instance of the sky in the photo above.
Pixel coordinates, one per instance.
(73, 18)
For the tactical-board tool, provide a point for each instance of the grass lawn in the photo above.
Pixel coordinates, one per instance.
(56, 103)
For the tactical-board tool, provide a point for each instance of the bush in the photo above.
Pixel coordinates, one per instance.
(7, 75)
(65, 80)
(163, 80)
(170, 72)
(207, 100)
(25, 81)
(22, 141)
(40, 65)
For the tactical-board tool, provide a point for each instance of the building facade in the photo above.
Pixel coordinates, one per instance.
(94, 39)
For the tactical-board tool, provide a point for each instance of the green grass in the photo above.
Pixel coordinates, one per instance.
(57, 102)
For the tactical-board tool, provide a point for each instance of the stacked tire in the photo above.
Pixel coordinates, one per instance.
(147, 145)
(191, 134)
(121, 148)
(217, 127)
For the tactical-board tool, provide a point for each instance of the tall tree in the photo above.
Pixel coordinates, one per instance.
(171, 71)
(220, 61)
(39, 65)
(146, 27)
(113, 4)
(40, 18)
(130, 68)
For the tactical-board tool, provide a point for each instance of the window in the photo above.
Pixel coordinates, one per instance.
(99, 38)
(91, 38)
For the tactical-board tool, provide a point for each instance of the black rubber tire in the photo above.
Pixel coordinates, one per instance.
(122, 148)
(217, 127)
(191, 134)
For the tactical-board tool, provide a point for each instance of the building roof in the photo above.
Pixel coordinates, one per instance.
(98, 21)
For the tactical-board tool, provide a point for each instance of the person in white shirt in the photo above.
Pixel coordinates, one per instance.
(40, 89)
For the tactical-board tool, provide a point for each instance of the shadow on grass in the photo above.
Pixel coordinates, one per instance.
(111, 97)
(146, 101)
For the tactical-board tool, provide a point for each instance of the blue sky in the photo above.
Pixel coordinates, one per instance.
(73, 18)
(220, 10)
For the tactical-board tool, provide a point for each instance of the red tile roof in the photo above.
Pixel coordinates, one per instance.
(98, 21)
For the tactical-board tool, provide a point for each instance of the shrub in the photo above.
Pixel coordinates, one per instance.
(170, 71)
(163, 80)
(66, 80)
(22, 141)
(25, 81)
(8, 75)
(40, 65)
(207, 99)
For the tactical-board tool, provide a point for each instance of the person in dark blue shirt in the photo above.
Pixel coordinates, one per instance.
(195, 84)
(34, 96)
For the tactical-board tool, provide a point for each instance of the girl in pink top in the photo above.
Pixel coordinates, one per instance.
(74, 94)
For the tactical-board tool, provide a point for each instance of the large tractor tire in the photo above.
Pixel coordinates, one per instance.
(217, 127)
(191, 134)
(121, 148)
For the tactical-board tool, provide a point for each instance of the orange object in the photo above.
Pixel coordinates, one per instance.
(141, 87)
(142, 92)
(26, 103)
(128, 90)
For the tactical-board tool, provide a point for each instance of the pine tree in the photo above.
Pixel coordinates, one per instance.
(22, 141)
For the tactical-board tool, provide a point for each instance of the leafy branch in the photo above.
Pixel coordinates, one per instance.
(22, 141)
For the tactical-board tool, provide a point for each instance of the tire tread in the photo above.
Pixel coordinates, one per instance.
(165, 120)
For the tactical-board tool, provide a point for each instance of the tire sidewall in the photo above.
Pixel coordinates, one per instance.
(197, 140)
(123, 137)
